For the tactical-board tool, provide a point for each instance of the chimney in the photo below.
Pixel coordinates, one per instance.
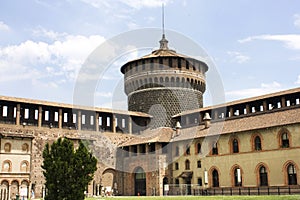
(206, 120)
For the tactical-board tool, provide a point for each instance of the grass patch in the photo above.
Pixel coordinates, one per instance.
(283, 197)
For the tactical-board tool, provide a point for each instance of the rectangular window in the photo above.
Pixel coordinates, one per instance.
(176, 166)
(56, 116)
(15, 112)
(142, 148)
(26, 113)
(199, 163)
(126, 151)
(74, 118)
(100, 121)
(108, 121)
(176, 181)
(65, 117)
(91, 120)
(179, 63)
(82, 119)
(123, 123)
(36, 114)
(4, 111)
(143, 64)
(152, 148)
(134, 150)
(199, 181)
(46, 115)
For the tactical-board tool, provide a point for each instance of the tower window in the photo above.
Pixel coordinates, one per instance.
(170, 62)
(152, 148)
(179, 62)
(143, 64)
(187, 64)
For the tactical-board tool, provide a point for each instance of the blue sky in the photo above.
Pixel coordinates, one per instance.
(254, 44)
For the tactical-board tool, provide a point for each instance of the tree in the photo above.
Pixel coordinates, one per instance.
(67, 171)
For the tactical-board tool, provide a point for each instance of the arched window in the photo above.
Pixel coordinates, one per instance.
(237, 177)
(198, 148)
(24, 166)
(285, 140)
(25, 147)
(215, 149)
(7, 147)
(263, 176)
(292, 175)
(257, 143)
(187, 150)
(187, 165)
(6, 166)
(176, 151)
(161, 79)
(235, 146)
(215, 178)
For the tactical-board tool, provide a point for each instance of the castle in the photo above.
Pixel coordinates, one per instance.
(167, 143)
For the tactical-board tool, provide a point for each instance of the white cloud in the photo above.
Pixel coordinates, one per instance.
(59, 60)
(291, 41)
(238, 57)
(42, 32)
(3, 26)
(265, 88)
(298, 80)
(297, 20)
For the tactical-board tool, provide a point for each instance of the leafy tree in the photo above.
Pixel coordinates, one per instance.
(67, 171)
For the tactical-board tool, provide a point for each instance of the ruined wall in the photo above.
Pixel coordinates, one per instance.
(103, 146)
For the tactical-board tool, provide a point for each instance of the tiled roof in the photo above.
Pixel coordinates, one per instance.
(163, 134)
(246, 123)
(247, 100)
(63, 105)
(264, 120)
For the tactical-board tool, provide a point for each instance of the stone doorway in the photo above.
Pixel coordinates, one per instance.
(139, 182)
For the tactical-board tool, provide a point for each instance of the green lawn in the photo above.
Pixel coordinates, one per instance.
(283, 197)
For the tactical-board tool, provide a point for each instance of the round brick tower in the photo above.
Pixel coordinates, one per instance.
(164, 83)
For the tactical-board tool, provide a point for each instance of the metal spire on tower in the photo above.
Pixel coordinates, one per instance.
(163, 42)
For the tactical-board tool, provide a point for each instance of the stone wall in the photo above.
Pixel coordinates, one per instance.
(163, 103)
